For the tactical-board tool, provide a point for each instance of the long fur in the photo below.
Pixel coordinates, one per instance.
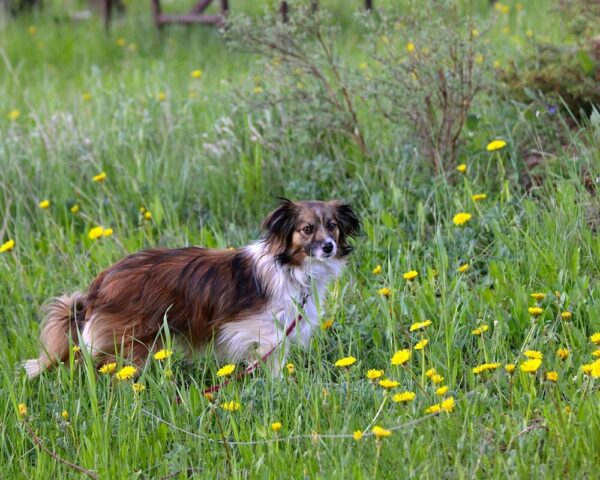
(244, 299)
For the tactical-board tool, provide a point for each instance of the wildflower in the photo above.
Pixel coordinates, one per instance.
(44, 204)
(595, 338)
(422, 344)
(374, 374)
(535, 311)
(420, 325)
(566, 315)
(479, 59)
(209, 396)
(32, 29)
(357, 435)
(138, 387)
(381, 432)
(75, 208)
(448, 404)
(345, 362)
(161, 97)
(596, 353)
(411, 275)
(95, 233)
(404, 397)
(108, 368)
(538, 296)
(480, 330)
(65, 415)
(276, 426)
(528, 33)
(231, 406)
(596, 369)
(552, 376)
(462, 168)
(121, 42)
(484, 367)
(496, 63)
(258, 90)
(197, 73)
(86, 96)
(410, 47)
(363, 66)
(461, 218)
(463, 268)
(147, 215)
(76, 349)
(7, 246)
(290, 368)
(495, 145)
(433, 409)
(478, 197)
(225, 370)
(510, 368)
(562, 353)
(388, 384)
(22, 409)
(531, 365)
(401, 357)
(474, 32)
(533, 354)
(430, 373)
(126, 373)
(99, 178)
(377, 270)
(442, 391)
(14, 115)
(163, 354)
(327, 324)
(107, 232)
(385, 292)
(437, 378)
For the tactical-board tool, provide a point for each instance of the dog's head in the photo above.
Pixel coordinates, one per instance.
(296, 231)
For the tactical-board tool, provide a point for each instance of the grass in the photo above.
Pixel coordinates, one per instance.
(160, 155)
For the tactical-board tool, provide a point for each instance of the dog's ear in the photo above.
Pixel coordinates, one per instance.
(349, 226)
(279, 225)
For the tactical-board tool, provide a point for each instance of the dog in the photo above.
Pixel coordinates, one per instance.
(242, 300)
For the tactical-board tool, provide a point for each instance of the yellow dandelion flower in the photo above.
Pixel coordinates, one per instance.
(388, 384)
(209, 396)
(276, 426)
(463, 268)
(436, 408)
(75, 208)
(562, 353)
(258, 90)
(197, 73)
(385, 292)
(479, 59)
(108, 368)
(14, 115)
(595, 338)
(410, 47)
(107, 232)
(95, 233)
(497, 65)
(377, 270)
(566, 315)
(76, 349)
(65, 415)
(126, 373)
(534, 354)
(437, 378)
(138, 387)
(44, 204)
(411, 275)
(510, 368)
(374, 374)
(86, 96)
(327, 324)
(442, 391)
(538, 296)
(345, 362)
(596, 353)
(363, 66)
(480, 330)
(32, 29)
(7, 246)
(401, 357)
(478, 197)
(430, 373)
(461, 218)
(422, 344)
(357, 435)
(595, 369)
(121, 42)
(22, 409)
(147, 215)
(531, 366)
(290, 368)
(420, 325)
(231, 406)
(495, 145)
(552, 376)
(404, 397)
(225, 370)
(161, 97)
(163, 354)
(448, 404)
(99, 178)
(485, 367)
(474, 32)
(535, 311)
(462, 168)
(380, 432)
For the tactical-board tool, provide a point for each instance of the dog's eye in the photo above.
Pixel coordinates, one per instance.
(308, 229)
(331, 226)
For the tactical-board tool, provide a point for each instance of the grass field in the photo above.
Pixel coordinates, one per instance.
(75, 102)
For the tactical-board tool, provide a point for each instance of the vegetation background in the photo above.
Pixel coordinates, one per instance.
(207, 153)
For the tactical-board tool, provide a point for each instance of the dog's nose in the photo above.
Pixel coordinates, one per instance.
(328, 247)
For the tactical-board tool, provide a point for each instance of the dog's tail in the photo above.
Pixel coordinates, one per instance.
(59, 325)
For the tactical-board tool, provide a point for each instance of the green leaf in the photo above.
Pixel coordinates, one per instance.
(586, 62)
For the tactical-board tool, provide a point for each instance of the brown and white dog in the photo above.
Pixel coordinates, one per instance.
(244, 299)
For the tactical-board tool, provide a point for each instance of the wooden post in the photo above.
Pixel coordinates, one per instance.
(156, 13)
(224, 8)
(107, 7)
(369, 4)
(314, 5)
(283, 10)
